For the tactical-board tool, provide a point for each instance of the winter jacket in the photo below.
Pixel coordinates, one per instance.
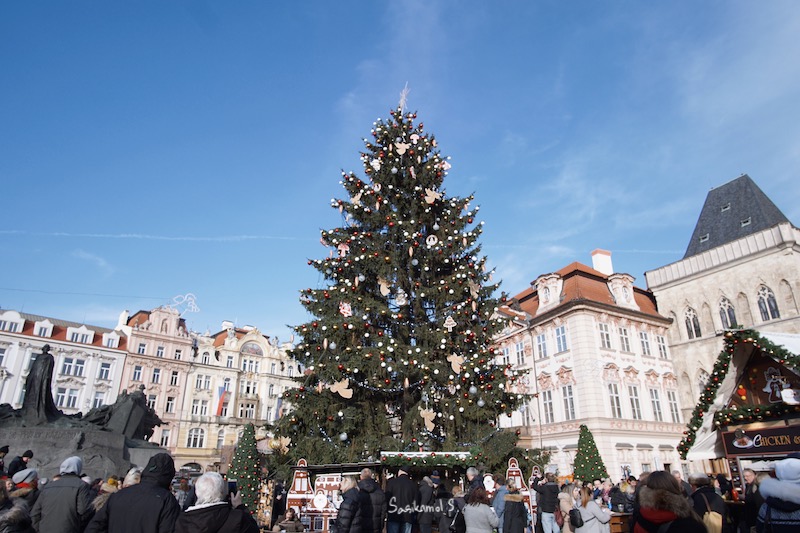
(480, 518)
(593, 518)
(781, 508)
(402, 497)
(454, 514)
(499, 503)
(348, 520)
(17, 464)
(373, 506)
(565, 503)
(426, 503)
(715, 503)
(63, 506)
(617, 498)
(14, 517)
(657, 507)
(27, 493)
(515, 513)
(217, 517)
(752, 503)
(548, 499)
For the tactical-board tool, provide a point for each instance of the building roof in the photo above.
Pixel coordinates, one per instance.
(726, 212)
(585, 284)
(60, 330)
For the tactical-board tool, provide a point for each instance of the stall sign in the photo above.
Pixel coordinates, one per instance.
(762, 441)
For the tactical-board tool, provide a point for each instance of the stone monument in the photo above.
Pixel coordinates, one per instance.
(109, 439)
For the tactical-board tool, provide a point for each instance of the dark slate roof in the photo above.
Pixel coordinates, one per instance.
(718, 225)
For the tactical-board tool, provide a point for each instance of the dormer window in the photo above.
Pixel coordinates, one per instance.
(111, 340)
(746, 222)
(82, 335)
(704, 238)
(43, 328)
(726, 207)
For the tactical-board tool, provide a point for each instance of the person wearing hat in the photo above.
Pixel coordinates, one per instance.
(27, 486)
(147, 507)
(107, 488)
(780, 512)
(19, 463)
(64, 505)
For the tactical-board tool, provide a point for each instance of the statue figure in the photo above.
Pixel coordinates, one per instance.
(38, 406)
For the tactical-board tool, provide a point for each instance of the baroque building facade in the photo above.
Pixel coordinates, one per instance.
(88, 360)
(596, 352)
(741, 269)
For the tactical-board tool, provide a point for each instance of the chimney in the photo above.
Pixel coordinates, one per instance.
(601, 261)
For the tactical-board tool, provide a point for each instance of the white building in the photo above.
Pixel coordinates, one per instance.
(88, 360)
(597, 353)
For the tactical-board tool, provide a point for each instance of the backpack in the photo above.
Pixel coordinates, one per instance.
(575, 518)
(458, 524)
(712, 519)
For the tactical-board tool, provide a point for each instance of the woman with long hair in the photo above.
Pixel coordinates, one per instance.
(478, 514)
(515, 515)
(567, 499)
(662, 503)
(593, 516)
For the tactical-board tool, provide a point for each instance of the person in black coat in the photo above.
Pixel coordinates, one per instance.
(515, 514)
(547, 501)
(213, 513)
(373, 503)
(348, 520)
(147, 507)
(402, 497)
(19, 463)
(664, 508)
(704, 497)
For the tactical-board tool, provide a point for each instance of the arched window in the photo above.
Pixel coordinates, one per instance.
(197, 437)
(220, 438)
(727, 313)
(702, 381)
(692, 324)
(767, 304)
(226, 384)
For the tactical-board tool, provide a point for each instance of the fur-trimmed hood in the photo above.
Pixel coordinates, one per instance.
(16, 515)
(514, 497)
(663, 500)
(781, 494)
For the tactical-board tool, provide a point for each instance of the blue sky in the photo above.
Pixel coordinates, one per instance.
(151, 149)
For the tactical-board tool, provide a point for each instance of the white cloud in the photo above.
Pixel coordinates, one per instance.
(102, 265)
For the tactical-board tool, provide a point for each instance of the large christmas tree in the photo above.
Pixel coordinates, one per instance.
(588, 463)
(398, 355)
(244, 468)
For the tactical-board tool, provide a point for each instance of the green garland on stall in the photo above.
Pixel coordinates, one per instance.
(432, 459)
(721, 366)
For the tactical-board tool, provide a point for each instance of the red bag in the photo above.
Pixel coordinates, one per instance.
(559, 517)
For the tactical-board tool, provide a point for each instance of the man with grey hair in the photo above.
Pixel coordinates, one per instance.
(474, 480)
(212, 512)
(373, 503)
(705, 500)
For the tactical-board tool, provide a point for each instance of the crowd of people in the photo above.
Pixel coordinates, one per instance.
(144, 501)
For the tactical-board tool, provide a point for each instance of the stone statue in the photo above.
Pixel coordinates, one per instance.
(38, 406)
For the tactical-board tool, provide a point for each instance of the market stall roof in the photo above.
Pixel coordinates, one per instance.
(702, 436)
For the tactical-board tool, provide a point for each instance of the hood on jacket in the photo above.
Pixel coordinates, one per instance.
(781, 495)
(160, 470)
(203, 519)
(513, 497)
(71, 465)
(368, 485)
(662, 500)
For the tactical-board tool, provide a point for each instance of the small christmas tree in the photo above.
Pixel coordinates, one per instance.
(588, 463)
(244, 468)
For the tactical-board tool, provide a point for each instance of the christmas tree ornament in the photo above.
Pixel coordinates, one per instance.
(455, 361)
(342, 388)
(427, 415)
(345, 309)
(450, 323)
(383, 286)
(401, 298)
(431, 196)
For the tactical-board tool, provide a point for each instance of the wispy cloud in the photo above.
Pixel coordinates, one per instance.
(150, 237)
(102, 265)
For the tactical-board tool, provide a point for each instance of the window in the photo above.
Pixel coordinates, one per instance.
(624, 340)
(645, 343)
(672, 401)
(42, 331)
(605, 336)
(655, 400)
(247, 410)
(229, 363)
(272, 368)
(170, 407)
(164, 442)
(547, 406)
(662, 346)
(646, 467)
(220, 438)
(224, 411)
(99, 399)
(561, 339)
(569, 402)
(160, 351)
(505, 357)
(725, 207)
(636, 408)
(204, 407)
(271, 390)
(206, 358)
(702, 380)
(2, 355)
(727, 314)
(79, 337)
(105, 371)
(8, 326)
(767, 304)
(195, 407)
(613, 395)
(66, 366)
(291, 371)
(80, 366)
(248, 387)
(72, 398)
(111, 342)
(226, 384)
(178, 354)
(704, 238)
(692, 324)
(173, 378)
(137, 373)
(196, 438)
(61, 396)
(746, 222)
(156, 375)
(142, 348)
(520, 349)
(151, 401)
